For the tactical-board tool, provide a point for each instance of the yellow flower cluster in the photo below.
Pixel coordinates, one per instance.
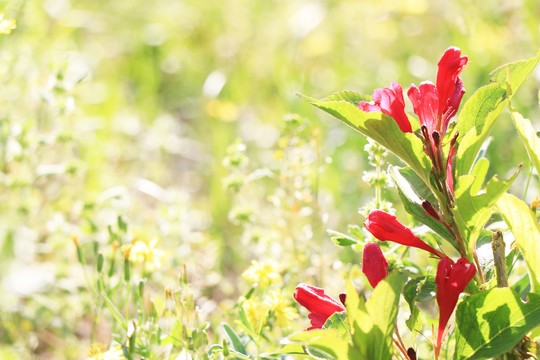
(263, 274)
(147, 253)
(275, 304)
(279, 306)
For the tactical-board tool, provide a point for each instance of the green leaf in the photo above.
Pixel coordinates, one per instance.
(475, 122)
(415, 321)
(355, 231)
(379, 127)
(338, 321)
(524, 225)
(472, 210)
(341, 239)
(382, 308)
(491, 322)
(409, 186)
(511, 76)
(420, 289)
(327, 343)
(529, 138)
(114, 310)
(235, 341)
(293, 349)
(348, 96)
(360, 323)
(244, 323)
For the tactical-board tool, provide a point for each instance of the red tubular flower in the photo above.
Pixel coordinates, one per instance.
(374, 264)
(389, 101)
(436, 105)
(320, 305)
(386, 227)
(452, 279)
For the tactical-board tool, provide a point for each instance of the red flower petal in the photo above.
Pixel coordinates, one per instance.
(390, 102)
(374, 264)
(320, 305)
(451, 280)
(425, 100)
(450, 66)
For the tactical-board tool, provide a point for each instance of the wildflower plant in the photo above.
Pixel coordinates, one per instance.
(443, 187)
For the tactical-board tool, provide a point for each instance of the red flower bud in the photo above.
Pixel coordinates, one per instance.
(389, 101)
(320, 305)
(386, 227)
(374, 264)
(452, 279)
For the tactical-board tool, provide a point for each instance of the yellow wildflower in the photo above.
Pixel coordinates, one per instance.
(279, 306)
(97, 352)
(254, 311)
(6, 25)
(262, 274)
(147, 254)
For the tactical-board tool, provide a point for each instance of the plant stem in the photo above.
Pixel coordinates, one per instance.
(499, 259)
(528, 182)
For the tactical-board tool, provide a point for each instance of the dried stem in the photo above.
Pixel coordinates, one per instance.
(499, 259)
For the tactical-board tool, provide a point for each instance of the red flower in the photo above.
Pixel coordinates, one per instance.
(390, 102)
(386, 227)
(320, 305)
(452, 279)
(374, 264)
(436, 105)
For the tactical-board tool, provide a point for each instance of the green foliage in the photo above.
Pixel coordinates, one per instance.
(474, 209)
(528, 137)
(524, 226)
(475, 122)
(338, 321)
(511, 76)
(492, 322)
(379, 127)
(408, 183)
(372, 323)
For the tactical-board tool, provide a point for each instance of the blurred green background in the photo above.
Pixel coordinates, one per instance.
(129, 108)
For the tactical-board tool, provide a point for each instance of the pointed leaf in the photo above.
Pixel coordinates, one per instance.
(529, 138)
(341, 239)
(381, 128)
(491, 322)
(326, 341)
(472, 210)
(475, 122)
(511, 76)
(524, 225)
(234, 339)
(409, 194)
(360, 323)
(382, 308)
(338, 321)
(348, 96)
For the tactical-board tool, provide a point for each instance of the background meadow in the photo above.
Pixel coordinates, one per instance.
(158, 169)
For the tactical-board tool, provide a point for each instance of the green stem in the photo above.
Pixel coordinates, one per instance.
(528, 182)
(378, 185)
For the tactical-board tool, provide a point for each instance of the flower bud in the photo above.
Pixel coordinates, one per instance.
(386, 227)
(374, 264)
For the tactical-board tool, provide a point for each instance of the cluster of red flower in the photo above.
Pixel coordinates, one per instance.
(434, 105)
